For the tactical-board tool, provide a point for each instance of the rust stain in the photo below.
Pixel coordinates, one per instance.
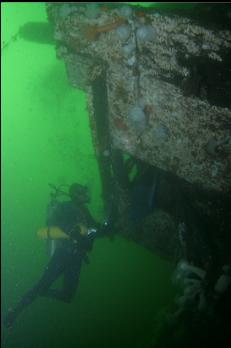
(91, 32)
(149, 109)
(140, 13)
(104, 8)
(120, 124)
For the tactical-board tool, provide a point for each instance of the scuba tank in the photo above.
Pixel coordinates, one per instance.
(53, 244)
(54, 235)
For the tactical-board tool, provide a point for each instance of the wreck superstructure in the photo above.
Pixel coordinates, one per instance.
(159, 96)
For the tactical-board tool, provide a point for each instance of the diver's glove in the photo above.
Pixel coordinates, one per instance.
(91, 231)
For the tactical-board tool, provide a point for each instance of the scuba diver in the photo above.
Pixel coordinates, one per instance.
(73, 229)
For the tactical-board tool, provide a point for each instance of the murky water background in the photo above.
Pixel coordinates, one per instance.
(46, 139)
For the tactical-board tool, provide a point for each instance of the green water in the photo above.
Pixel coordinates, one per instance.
(46, 139)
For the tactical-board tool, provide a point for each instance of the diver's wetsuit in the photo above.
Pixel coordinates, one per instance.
(67, 258)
